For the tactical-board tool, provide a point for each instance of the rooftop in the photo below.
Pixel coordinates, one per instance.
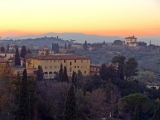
(61, 57)
(131, 37)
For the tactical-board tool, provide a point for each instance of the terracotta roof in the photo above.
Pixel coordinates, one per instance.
(61, 57)
(95, 66)
(22, 68)
(3, 61)
(13, 58)
(130, 37)
(7, 53)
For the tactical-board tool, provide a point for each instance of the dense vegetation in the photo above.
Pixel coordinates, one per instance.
(108, 95)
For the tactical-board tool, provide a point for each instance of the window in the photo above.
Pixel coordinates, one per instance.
(45, 67)
(50, 67)
(70, 69)
(64, 61)
(70, 63)
(75, 61)
(84, 72)
(54, 60)
(74, 66)
(55, 66)
(81, 60)
(50, 60)
(77, 66)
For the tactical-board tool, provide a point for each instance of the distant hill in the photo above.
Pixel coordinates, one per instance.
(80, 37)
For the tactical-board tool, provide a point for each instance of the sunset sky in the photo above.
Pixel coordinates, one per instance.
(100, 17)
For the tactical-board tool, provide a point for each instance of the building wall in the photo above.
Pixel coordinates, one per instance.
(7, 55)
(52, 66)
(129, 40)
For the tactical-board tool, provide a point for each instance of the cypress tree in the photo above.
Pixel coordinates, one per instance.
(70, 105)
(23, 51)
(103, 71)
(60, 72)
(2, 49)
(65, 46)
(85, 46)
(24, 112)
(57, 48)
(39, 73)
(65, 76)
(17, 58)
(74, 79)
(8, 47)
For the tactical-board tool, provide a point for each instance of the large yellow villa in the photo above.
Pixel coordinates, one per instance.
(51, 64)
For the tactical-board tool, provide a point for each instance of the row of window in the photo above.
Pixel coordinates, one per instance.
(64, 61)
(59, 67)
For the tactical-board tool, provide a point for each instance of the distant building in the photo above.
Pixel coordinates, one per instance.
(51, 64)
(131, 41)
(6, 55)
(94, 69)
(44, 50)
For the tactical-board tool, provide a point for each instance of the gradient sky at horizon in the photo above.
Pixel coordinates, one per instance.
(101, 17)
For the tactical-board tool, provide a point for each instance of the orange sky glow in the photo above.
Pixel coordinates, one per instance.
(100, 17)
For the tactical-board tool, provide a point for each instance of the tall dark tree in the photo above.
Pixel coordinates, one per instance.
(8, 47)
(65, 76)
(47, 52)
(103, 71)
(130, 68)
(39, 73)
(120, 59)
(65, 46)
(69, 46)
(29, 51)
(23, 51)
(60, 72)
(74, 79)
(17, 58)
(57, 48)
(2, 49)
(156, 115)
(70, 105)
(24, 110)
(85, 45)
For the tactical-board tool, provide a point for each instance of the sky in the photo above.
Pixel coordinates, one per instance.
(100, 17)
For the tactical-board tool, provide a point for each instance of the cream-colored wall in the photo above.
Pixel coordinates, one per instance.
(7, 55)
(54, 66)
(129, 40)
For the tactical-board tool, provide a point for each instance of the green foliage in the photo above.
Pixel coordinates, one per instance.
(140, 101)
(156, 115)
(103, 72)
(130, 68)
(135, 115)
(70, 105)
(119, 59)
(24, 109)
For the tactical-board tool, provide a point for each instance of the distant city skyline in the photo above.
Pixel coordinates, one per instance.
(99, 17)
